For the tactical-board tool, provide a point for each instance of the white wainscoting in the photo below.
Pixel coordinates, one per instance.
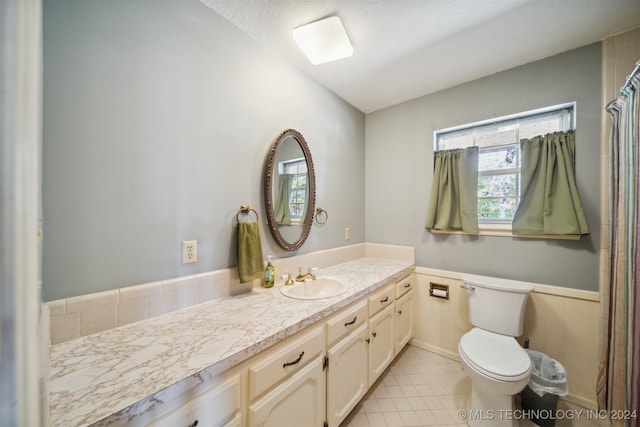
(560, 322)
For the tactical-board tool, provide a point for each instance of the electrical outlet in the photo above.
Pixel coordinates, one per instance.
(189, 251)
(347, 233)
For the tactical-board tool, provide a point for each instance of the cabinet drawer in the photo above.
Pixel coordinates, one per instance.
(381, 298)
(277, 365)
(403, 286)
(345, 322)
(217, 407)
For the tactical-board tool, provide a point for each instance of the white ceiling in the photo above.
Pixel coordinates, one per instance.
(404, 49)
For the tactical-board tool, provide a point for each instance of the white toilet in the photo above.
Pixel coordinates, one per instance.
(492, 358)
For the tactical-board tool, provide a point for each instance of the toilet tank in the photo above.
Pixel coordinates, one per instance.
(497, 305)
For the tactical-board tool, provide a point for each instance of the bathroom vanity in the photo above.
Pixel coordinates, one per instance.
(260, 358)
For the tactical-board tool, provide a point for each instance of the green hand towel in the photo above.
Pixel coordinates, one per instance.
(249, 248)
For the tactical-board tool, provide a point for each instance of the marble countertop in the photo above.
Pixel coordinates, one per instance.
(112, 376)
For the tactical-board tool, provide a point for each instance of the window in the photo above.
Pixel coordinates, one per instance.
(298, 191)
(498, 142)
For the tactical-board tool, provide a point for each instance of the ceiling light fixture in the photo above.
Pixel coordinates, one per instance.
(324, 40)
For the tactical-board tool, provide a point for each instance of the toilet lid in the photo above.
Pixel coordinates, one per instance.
(497, 356)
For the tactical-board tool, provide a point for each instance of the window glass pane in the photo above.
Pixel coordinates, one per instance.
(297, 203)
(498, 185)
(299, 181)
(458, 139)
(498, 159)
(298, 194)
(499, 134)
(508, 130)
(541, 127)
(295, 166)
(502, 208)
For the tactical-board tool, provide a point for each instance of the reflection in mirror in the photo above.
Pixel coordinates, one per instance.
(290, 183)
(290, 190)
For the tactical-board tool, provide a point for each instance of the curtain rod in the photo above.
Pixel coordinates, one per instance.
(630, 76)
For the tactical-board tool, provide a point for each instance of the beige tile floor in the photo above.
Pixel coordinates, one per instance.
(421, 388)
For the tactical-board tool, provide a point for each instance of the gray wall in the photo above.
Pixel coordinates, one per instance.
(399, 169)
(158, 116)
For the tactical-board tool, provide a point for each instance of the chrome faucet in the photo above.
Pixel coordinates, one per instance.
(302, 277)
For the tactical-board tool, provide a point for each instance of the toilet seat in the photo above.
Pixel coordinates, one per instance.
(497, 356)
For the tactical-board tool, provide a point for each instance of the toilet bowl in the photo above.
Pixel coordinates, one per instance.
(491, 357)
(498, 368)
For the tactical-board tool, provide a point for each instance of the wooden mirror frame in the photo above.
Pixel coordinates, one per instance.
(268, 191)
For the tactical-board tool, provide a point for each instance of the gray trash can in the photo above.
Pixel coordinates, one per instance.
(548, 382)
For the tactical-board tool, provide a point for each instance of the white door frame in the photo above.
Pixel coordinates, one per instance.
(20, 201)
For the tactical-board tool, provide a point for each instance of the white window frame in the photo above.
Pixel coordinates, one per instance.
(503, 223)
(503, 226)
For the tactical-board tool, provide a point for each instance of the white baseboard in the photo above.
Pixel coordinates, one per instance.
(437, 350)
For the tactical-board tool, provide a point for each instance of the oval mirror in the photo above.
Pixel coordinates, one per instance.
(290, 190)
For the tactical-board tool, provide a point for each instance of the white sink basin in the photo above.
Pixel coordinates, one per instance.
(314, 289)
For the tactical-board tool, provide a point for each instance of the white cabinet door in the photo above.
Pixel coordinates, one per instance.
(347, 375)
(298, 401)
(218, 407)
(381, 342)
(404, 320)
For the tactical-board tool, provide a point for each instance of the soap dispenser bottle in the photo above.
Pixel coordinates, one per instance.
(269, 274)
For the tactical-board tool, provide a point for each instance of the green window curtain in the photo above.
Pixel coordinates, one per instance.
(282, 211)
(549, 203)
(454, 192)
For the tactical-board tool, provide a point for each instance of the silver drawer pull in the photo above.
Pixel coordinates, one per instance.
(351, 322)
(295, 362)
(468, 287)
